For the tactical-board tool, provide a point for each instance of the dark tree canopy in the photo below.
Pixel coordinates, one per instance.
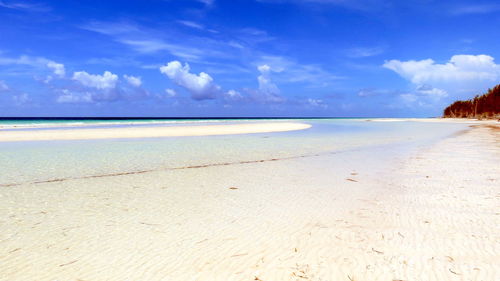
(484, 106)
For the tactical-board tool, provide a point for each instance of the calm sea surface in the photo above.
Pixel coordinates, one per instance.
(41, 161)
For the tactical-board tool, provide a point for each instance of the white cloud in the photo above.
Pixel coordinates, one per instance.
(171, 92)
(235, 44)
(267, 92)
(3, 86)
(369, 92)
(200, 86)
(207, 2)
(408, 98)
(475, 9)
(422, 96)
(24, 6)
(364, 52)
(430, 91)
(153, 46)
(191, 24)
(233, 95)
(462, 74)
(146, 40)
(21, 98)
(294, 72)
(69, 97)
(360, 5)
(264, 68)
(58, 68)
(95, 88)
(133, 80)
(458, 68)
(111, 28)
(265, 84)
(142, 39)
(89, 95)
(317, 103)
(102, 82)
(39, 63)
(23, 60)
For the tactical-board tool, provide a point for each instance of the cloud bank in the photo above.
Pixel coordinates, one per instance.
(458, 68)
(462, 74)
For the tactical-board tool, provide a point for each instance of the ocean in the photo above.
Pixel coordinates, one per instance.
(38, 161)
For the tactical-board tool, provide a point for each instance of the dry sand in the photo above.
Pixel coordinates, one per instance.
(147, 132)
(434, 216)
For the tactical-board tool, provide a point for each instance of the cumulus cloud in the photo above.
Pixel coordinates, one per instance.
(201, 86)
(58, 68)
(106, 81)
(96, 88)
(133, 80)
(266, 86)
(467, 74)
(233, 95)
(459, 68)
(267, 92)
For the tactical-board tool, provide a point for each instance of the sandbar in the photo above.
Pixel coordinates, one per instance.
(147, 132)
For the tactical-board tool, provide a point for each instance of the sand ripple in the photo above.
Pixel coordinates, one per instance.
(432, 217)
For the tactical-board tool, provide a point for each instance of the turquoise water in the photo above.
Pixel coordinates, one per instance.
(40, 161)
(64, 123)
(61, 123)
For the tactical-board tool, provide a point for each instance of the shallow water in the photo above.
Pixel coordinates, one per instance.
(25, 162)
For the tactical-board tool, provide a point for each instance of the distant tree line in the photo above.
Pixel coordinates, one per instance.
(484, 106)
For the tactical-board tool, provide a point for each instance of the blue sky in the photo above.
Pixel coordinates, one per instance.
(245, 58)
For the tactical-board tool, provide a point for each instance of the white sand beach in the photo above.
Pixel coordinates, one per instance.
(147, 132)
(432, 216)
(262, 140)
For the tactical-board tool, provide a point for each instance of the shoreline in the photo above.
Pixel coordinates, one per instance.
(436, 216)
(148, 132)
(81, 124)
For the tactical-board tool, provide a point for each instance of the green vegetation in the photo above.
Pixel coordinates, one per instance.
(481, 107)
